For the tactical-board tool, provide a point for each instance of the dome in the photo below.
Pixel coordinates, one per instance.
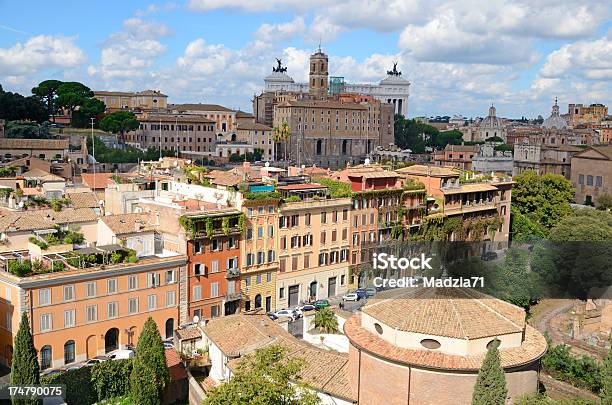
(491, 121)
(555, 121)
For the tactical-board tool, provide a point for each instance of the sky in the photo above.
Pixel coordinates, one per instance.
(459, 55)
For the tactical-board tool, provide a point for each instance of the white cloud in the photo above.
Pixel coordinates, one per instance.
(280, 32)
(39, 53)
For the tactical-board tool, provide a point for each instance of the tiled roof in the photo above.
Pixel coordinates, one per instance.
(253, 126)
(243, 114)
(197, 118)
(101, 180)
(44, 219)
(126, 223)
(241, 334)
(83, 200)
(199, 107)
(208, 384)
(40, 174)
(190, 332)
(469, 188)
(175, 365)
(10, 143)
(462, 148)
(532, 348)
(423, 170)
(452, 312)
(224, 178)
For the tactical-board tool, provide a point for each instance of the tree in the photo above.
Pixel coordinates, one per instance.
(26, 130)
(604, 201)
(325, 320)
(25, 369)
(282, 133)
(150, 375)
(544, 199)
(71, 95)
(46, 92)
(523, 229)
(503, 148)
(266, 377)
(606, 392)
(490, 388)
(119, 122)
(91, 108)
(14, 107)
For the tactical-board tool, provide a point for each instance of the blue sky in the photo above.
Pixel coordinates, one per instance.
(459, 55)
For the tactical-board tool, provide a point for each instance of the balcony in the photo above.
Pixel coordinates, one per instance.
(232, 273)
(235, 296)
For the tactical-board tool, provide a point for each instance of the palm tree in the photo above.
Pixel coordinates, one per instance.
(282, 133)
(325, 320)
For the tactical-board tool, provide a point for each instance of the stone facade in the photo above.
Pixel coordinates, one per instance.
(591, 174)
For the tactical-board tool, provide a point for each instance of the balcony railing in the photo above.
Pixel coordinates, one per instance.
(232, 273)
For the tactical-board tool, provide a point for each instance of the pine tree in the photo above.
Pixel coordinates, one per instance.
(490, 388)
(606, 392)
(25, 369)
(150, 375)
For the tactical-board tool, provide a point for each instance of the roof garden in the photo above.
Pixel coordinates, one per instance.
(213, 223)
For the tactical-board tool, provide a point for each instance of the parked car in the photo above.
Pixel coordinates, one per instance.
(370, 291)
(120, 354)
(288, 313)
(307, 307)
(272, 316)
(168, 345)
(320, 304)
(298, 312)
(96, 360)
(361, 293)
(488, 256)
(350, 297)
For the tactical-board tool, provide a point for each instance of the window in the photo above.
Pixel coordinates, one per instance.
(152, 280)
(214, 290)
(270, 256)
(270, 209)
(247, 281)
(111, 286)
(306, 261)
(68, 292)
(152, 302)
(214, 311)
(324, 217)
(197, 269)
(260, 210)
(345, 234)
(294, 263)
(342, 279)
(170, 276)
(261, 257)
(214, 266)
(249, 212)
(307, 219)
(9, 293)
(282, 265)
(260, 231)
(281, 292)
(132, 306)
(323, 238)
(214, 245)
(283, 243)
(44, 296)
(69, 352)
(170, 298)
(111, 310)
(307, 240)
(581, 179)
(9, 321)
(132, 282)
(268, 277)
(232, 263)
(68, 318)
(598, 181)
(430, 343)
(45, 357)
(197, 292)
(231, 242)
(92, 313)
(333, 238)
(344, 214)
(258, 279)
(271, 231)
(335, 216)
(322, 259)
(249, 259)
(589, 180)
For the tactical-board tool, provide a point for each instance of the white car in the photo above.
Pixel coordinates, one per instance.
(287, 313)
(350, 297)
(298, 312)
(120, 354)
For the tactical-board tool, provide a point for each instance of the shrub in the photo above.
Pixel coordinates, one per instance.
(79, 390)
(112, 378)
(20, 268)
(582, 372)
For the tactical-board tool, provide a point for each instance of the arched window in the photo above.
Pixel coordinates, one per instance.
(69, 352)
(170, 328)
(45, 357)
(430, 343)
(258, 301)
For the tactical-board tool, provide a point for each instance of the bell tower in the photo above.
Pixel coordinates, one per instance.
(318, 80)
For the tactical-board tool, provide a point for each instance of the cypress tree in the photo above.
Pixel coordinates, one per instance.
(150, 375)
(606, 392)
(490, 388)
(25, 369)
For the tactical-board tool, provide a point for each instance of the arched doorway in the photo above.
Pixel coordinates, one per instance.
(45, 357)
(312, 290)
(170, 328)
(69, 355)
(92, 347)
(258, 301)
(111, 340)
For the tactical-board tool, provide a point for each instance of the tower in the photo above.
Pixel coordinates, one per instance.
(318, 84)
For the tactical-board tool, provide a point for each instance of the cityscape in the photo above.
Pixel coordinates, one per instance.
(324, 229)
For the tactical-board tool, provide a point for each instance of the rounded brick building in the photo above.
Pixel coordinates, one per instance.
(425, 346)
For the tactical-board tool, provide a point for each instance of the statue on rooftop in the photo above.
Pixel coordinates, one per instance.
(280, 67)
(394, 72)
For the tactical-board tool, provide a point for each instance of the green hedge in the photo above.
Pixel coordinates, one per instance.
(112, 378)
(582, 372)
(79, 389)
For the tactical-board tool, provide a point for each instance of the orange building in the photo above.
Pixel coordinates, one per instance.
(88, 309)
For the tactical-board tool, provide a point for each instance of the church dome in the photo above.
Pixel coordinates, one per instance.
(491, 121)
(555, 121)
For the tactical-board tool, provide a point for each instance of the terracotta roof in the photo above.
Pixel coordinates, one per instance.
(40, 174)
(469, 188)
(224, 178)
(462, 148)
(423, 170)
(126, 223)
(241, 334)
(315, 170)
(190, 332)
(208, 384)
(604, 150)
(452, 312)
(243, 114)
(175, 365)
(306, 186)
(532, 348)
(102, 180)
(253, 126)
(44, 219)
(199, 107)
(10, 143)
(30, 191)
(83, 199)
